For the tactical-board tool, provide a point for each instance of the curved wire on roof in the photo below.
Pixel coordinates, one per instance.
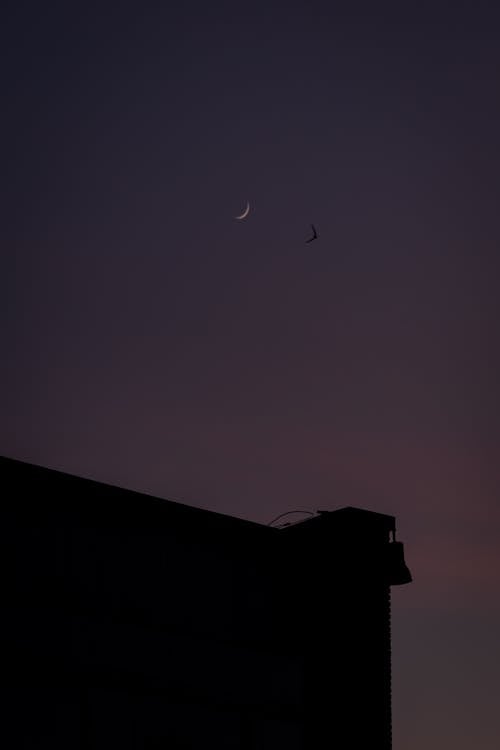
(289, 512)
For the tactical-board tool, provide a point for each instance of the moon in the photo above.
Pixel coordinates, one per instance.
(245, 213)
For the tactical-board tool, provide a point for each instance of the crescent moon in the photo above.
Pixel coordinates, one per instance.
(245, 212)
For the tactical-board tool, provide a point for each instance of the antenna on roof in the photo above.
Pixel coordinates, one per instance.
(289, 512)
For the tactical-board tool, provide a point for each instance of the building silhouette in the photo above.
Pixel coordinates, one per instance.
(135, 622)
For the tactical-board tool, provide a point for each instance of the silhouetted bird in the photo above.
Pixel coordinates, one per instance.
(315, 234)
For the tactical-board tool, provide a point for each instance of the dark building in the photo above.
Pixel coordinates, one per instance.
(135, 622)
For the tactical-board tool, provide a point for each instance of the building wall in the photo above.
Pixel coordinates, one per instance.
(138, 623)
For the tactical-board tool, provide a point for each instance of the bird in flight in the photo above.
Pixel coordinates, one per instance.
(315, 234)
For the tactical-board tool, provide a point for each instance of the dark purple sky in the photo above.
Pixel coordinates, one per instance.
(150, 340)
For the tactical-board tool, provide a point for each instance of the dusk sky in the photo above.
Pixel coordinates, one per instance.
(152, 341)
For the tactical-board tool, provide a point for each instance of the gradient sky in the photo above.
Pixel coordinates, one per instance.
(150, 340)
